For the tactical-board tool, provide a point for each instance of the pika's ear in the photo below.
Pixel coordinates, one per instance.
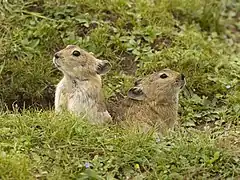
(136, 93)
(137, 82)
(103, 67)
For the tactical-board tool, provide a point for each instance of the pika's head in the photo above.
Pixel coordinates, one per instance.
(164, 85)
(76, 62)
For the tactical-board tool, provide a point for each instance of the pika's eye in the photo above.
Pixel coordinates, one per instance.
(76, 53)
(163, 76)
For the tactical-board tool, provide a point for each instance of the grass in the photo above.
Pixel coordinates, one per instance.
(197, 38)
(47, 146)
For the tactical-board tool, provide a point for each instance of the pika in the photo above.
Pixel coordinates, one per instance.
(80, 90)
(152, 102)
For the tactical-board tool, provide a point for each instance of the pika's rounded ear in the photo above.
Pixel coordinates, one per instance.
(103, 67)
(137, 82)
(136, 93)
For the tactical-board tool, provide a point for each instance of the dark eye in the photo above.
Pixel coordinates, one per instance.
(76, 53)
(163, 76)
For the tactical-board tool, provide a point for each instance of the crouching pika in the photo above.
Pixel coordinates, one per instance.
(152, 102)
(80, 90)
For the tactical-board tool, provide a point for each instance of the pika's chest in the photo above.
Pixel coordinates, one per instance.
(81, 98)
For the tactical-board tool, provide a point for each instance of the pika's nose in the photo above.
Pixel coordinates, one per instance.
(56, 55)
(182, 77)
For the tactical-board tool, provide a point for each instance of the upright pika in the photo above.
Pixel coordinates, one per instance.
(80, 90)
(153, 101)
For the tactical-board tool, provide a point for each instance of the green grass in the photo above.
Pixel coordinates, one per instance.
(197, 38)
(58, 147)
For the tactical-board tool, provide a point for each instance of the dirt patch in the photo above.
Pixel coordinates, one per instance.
(110, 16)
(161, 42)
(113, 104)
(178, 15)
(128, 63)
(206, 125)
(48, 96)
(233, 28)
(230, 141)
(56, 47)
(83, 30)
(36, 6)
(21, 100)
(128, 26)
(29, 103)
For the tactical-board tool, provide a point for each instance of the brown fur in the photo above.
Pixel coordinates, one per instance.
(80, 90)
(152, 102)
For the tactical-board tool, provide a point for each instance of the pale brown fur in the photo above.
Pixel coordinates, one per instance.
(152, 102)
(80, 90)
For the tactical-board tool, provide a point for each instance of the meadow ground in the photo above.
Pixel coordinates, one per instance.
(198, 38)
